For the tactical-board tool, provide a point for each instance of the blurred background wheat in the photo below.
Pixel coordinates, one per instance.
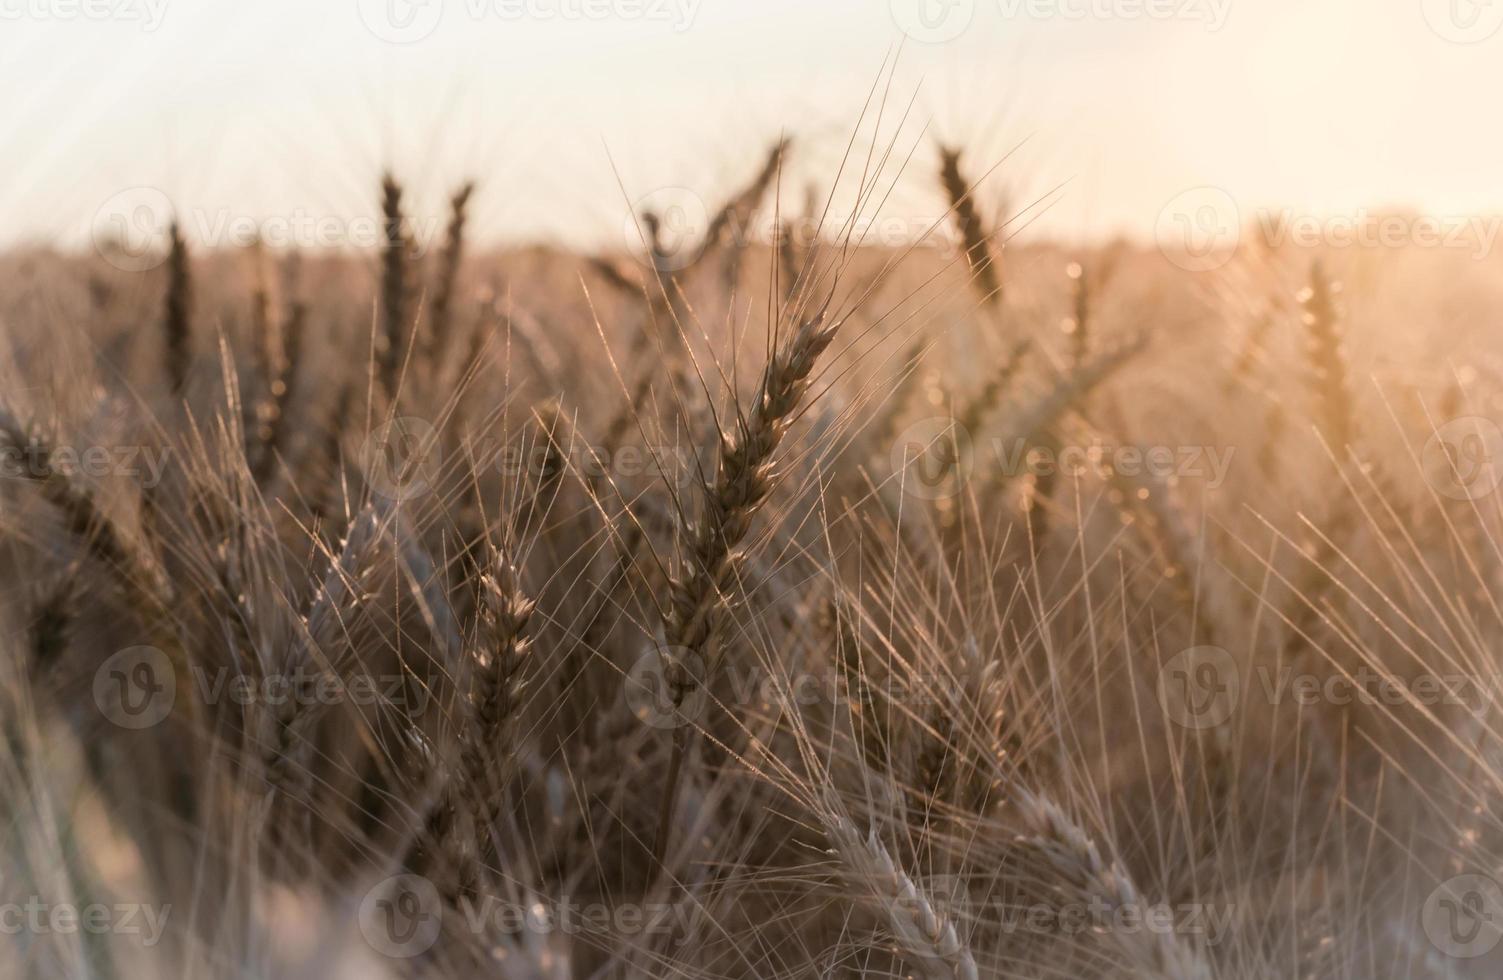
(843, 565)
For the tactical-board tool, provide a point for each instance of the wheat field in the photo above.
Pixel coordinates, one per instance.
(747, 604)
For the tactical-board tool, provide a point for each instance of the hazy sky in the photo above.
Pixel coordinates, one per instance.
(261, 109)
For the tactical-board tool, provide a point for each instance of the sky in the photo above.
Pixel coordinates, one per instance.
(1089, 117)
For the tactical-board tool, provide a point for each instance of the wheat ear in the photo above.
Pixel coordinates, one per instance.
(140, 577)
(392, 343)
(973, 232)
(176, 323)
(742, 482)
(979, 407)
(497, 684)
(1327, 361)
(733, 215)
(499, 681)
(921, 930)
(448, 276)
(1071, 852)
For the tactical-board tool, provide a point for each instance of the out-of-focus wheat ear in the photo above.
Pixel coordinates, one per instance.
(1035, 425)
(925, 936)
(1071, 853)
(974, 236)
(177, 320)
(140, 577)
(1033, 419)
(448, 271)
(798, 242)
(976, 411)
(1164, 524)
(741, 485)
(393, 340)
(1327, 371)
(730, 228)
(1041, 488)
(265, 329)
(1070, 388)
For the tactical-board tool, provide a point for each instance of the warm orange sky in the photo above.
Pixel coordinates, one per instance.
(288, 108)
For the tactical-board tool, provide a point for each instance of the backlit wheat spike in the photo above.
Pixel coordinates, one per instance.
(394, 338)
(741, 484)
(448, 270)
(986, 400)
(499, 684)
(139, 576)
(728, 226)
(177, 324)
(1329, 383)
(929, 941)
(1074, 856)
(974, 235)
(499, 681)
(1068, 390)
(474, 795)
